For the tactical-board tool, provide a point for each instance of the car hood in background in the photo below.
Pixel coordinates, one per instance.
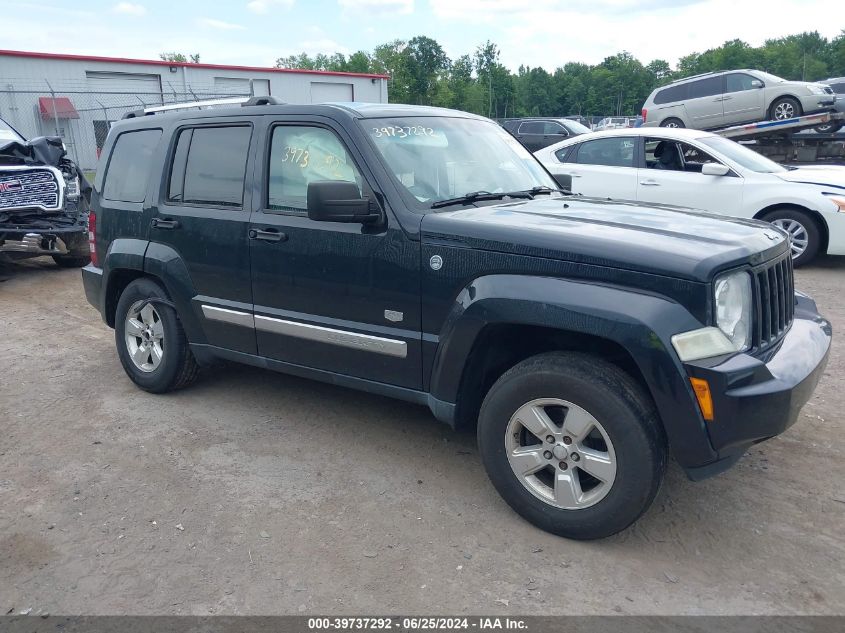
(823, 175)
(655, 239)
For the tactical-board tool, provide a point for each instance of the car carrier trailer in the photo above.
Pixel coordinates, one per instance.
(791, 140)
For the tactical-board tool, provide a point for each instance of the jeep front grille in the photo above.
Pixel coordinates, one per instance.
(774, 294)
(30, 187)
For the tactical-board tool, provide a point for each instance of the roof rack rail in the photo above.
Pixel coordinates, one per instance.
(709, 72)
(260, 101)
(208, 103)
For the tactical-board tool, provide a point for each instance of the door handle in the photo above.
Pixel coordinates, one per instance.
(165, 223)
(267, 235)
(726, 98)
(650, 183)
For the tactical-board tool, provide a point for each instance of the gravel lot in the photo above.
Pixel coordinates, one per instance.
(258, 493)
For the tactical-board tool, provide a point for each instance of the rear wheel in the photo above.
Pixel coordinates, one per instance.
(829, 128)
(572, 444)
(784, 108)
(672, 122)
(803, 230)
(71, 261)
(151, 343)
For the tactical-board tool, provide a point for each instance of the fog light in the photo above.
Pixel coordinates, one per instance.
(702, 393)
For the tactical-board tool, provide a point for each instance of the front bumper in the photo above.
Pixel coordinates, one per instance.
(811, 104)
(757, 398)
(35, 242)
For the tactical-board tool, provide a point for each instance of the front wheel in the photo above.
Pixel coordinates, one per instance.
(151, 343)
(804, 234)
(784, 108)
(572, 444)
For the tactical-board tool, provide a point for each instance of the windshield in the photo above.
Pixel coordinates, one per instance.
(575, 126)
(8, 134)
(742, 155)
(438, 158)
(770, 78)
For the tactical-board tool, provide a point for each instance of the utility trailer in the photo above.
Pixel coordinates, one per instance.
(791, 140)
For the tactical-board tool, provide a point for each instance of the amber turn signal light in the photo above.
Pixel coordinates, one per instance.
(702, 393)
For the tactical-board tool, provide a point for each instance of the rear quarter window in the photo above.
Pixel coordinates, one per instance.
(672, 94)
(129, 165)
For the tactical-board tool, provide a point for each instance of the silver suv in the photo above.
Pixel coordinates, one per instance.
(733, 97)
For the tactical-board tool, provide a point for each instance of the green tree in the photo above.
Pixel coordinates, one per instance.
(180, 58)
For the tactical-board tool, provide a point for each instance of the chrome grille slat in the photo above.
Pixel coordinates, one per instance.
(774, 301)
(28, 188)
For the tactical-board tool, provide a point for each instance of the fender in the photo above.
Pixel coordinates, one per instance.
(640, 322)
(164, 262)
(123, 254)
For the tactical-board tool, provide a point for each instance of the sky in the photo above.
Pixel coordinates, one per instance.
(547, 33)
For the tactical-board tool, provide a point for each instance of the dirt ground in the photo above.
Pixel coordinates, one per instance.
(258, 493)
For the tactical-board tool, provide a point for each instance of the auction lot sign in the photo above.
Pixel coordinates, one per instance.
(413, 624)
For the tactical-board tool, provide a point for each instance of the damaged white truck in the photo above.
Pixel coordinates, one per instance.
(43, 201)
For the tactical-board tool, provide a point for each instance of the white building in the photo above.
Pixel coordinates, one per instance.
(78, 96)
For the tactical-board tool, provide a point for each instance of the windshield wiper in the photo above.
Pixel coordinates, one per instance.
(476, 196)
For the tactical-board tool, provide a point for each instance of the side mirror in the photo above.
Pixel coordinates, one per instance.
(564, 181)
(714, 169)
(339, 201)
(756, 83)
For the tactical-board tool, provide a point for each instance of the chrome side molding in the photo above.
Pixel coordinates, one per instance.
(343, 338)
(306, 331)
(225, 315)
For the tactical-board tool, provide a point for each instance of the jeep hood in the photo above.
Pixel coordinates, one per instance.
(656, 239)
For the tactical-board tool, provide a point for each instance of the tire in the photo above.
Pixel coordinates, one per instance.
(829, 128)
(628, 438)
(71, 261)
(173, 366)
(78, 252)
(784, 108)
(806, 237)
(672, 122)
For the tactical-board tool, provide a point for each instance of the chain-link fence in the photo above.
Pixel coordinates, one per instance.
(81, 115)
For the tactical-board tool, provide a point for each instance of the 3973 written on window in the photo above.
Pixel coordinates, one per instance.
(302, 155)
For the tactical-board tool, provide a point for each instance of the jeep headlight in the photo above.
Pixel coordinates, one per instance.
(815, 89)
(732, 294)
(732, 302)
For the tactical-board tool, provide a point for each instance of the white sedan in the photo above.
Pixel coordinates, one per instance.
(691, 168)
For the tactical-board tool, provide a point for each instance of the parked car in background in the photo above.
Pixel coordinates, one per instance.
(537, 133)
(691, 168)
(43, 201)
(837, 84)
(719, 99)
(580, 119)
(614, 123)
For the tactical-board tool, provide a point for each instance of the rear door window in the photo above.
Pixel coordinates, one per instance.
(611, 152)
(129, 166)
(531, 127)
(709, 87)
(209, 166)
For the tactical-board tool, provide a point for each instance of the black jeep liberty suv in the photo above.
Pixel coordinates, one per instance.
(424, 254)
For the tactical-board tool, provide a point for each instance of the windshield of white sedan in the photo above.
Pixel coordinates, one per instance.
(742, 155)
(440, 158)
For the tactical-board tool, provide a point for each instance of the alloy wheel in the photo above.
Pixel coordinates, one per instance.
(560, 453)
(144, 335)
(798, 237)
(784, 110)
